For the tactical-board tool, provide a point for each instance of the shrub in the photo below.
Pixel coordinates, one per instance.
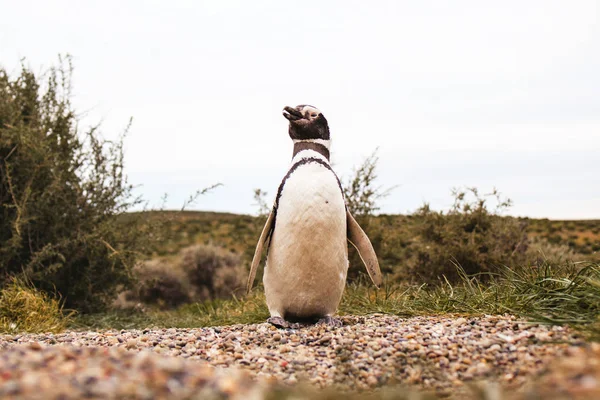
(362, 196)
(360, 190)
(197, 273)
(213, 271)
(160, 282)
(61, 194)
(470, 235)
(24, 308)
(541, 251)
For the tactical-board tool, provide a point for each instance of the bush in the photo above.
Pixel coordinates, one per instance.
(213, 271)
(361, 193)
(362, 196)
(470, 235)
(160, 282)
(24, 308)
(541, 251)
(61, 194)
(197, 273)
(427, 245)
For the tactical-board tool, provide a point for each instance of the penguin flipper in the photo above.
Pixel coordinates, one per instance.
(266, 232)
(361, 242)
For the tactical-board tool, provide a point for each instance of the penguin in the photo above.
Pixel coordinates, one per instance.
(307, 231)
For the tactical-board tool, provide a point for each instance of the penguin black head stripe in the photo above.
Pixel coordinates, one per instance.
(306, 122)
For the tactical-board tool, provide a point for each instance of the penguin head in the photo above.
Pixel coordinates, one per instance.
(306, 123)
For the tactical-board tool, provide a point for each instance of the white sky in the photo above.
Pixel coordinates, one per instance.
(478, 93)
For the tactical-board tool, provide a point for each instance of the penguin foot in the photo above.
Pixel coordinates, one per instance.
(278, 322)
(330, 321)
(282, 323)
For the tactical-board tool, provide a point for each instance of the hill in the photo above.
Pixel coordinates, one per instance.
(239, 232)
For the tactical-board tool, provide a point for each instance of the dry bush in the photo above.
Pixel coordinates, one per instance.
(213, 271)
(197, 273)
(26, 309)
(160, 282)
(542, 251)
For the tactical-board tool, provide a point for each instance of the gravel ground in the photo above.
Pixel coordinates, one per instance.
(431, 353)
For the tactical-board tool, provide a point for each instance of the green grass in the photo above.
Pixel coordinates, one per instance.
(249, 310)
(553, 294)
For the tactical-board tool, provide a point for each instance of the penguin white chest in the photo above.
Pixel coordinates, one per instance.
(307, 261)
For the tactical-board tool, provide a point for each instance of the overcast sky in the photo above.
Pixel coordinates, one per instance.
(490, 94)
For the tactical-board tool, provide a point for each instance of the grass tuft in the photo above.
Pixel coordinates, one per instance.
(26, 309)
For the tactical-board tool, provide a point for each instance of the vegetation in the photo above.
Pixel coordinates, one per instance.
(61, 193)
(470, 235)
(240, 232)
(219, 312)
(580, 237)
(557, 294)
(360, 190)
(197, 273)
(362, 195)
(420, 247)
(26, 309)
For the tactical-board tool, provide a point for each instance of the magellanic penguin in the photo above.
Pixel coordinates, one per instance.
(307, 229)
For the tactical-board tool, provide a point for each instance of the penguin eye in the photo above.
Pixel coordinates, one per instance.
(313, 115)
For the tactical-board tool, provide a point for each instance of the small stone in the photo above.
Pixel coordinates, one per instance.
(35, 346)
(324, 340)
(372, 381)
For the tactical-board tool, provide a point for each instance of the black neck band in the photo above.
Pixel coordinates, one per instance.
(318, 147)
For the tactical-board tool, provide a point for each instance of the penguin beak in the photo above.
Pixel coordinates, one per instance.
(291, 114)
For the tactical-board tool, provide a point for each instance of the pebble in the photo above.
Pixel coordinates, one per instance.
(434, 353)
(99, 372)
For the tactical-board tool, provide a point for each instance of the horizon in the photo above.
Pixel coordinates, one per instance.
(376, 214)
(464, 94)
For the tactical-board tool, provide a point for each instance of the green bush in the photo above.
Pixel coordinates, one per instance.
(470, 235)
(61, 194)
